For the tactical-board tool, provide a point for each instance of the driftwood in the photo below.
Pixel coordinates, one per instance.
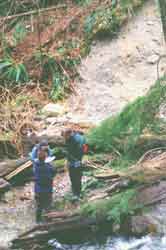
(9, 169)
(149, 141)
(153, 194)
(147, 170)
(20, 169)
(8, 166)
(108, 174)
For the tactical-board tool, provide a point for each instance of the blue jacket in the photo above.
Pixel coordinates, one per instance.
(33, 154)
(43, 173)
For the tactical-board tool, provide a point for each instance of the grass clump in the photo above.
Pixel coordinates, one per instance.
(13, 72)
(121, 133)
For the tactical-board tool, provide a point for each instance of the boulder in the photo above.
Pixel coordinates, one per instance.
(141, 225)
(53, 109)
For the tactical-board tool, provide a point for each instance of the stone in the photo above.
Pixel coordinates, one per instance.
(141, 224)
(150, 23)
(51, 120)
(53, 109)
(152, 59)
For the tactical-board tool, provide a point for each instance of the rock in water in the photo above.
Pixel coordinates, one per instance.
(54, 243)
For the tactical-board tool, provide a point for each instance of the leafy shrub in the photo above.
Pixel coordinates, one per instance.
(113, 208)
(102, 22)
(60, 70)
(13, 72)
(82, 2)
(92, 183)
(106, 21)
(53, 72)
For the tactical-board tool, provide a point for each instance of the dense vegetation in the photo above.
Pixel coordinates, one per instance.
(54, 62)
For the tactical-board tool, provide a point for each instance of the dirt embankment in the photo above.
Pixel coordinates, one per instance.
(118, 71)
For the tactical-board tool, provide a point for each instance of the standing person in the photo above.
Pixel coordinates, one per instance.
(43, 175)
(74, 142)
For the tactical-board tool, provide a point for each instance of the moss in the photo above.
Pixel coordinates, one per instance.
(59, 165)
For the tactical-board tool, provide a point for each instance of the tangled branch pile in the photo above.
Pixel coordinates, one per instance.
(17, 111)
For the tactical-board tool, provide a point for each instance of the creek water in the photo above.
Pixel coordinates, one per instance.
(116, 243)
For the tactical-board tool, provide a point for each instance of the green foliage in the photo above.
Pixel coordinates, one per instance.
(52, 71)
(61, 69)
(90, 22)
(158, 126)
(12, 72)
(121, 133)
(106, 21)
(122, 162)
(14, 7)
(101, 23)
(92, 183)
(19, 33)
(120, 204)
(83, 2)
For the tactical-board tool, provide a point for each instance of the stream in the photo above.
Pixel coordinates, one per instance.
(115, 243)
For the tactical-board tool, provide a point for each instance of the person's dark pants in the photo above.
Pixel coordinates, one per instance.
(43, 202)
(75, 178)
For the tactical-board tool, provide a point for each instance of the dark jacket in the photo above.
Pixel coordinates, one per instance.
(74, 147)
(43, 173)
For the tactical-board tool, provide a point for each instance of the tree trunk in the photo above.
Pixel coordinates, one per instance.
(162, 4)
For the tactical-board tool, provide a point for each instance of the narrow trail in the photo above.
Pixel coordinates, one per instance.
(118, 71)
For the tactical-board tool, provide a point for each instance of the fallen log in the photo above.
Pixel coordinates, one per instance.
(153, 194)
(73, 223)
(18, 170)
(150, 141)
(11, 168)
(8, 166)
(4, 185)
(108, 174)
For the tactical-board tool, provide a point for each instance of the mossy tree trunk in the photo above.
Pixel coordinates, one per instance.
(162, 4)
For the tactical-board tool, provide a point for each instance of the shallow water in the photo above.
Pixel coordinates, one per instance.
(118, 243)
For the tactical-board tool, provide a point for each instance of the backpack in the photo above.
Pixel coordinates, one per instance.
(80, 138)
